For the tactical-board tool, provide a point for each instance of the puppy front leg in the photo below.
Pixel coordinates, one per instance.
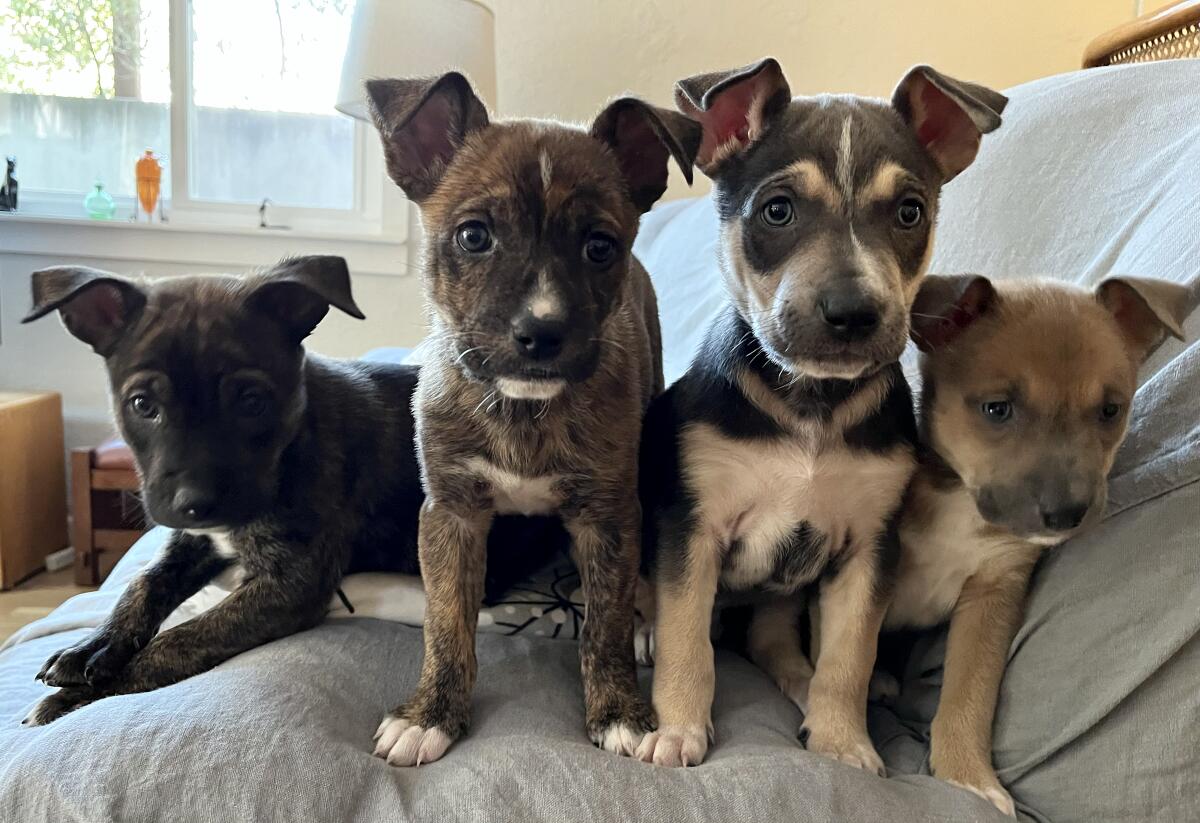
(262, 609)
(606, 554)
(984, 622)
(187, 563)
(775, 646)
(452, 548)
(835, 724)
(684, 676)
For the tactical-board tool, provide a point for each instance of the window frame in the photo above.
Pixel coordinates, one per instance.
(378, 212)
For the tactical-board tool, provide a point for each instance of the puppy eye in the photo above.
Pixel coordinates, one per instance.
(997, 411)
(1110, 412)
(909, 212)
(474, 237)
(778, 212)
(143, 406)
(599, 249)
(250, 403)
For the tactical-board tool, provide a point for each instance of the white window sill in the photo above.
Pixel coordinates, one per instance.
(207, 247)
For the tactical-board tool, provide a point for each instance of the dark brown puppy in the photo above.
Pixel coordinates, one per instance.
(545, 354)
(280, 469)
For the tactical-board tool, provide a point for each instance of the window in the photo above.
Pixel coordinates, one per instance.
(235, 96)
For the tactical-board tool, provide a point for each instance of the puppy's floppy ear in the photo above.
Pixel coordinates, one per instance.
(423, 121)
(948, 116)
(644, 137)
(297, 292)
(946, 305)
(734, 107)
(95, 306)
(1146, 310)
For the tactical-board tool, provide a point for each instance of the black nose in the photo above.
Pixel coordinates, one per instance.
(538, 339)
(849, 314)
(194, 505)
(1064, 518)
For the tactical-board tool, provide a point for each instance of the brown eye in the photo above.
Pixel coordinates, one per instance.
(1110, 412)
(250, 403)
(143, 406)
(909, 212)
(778, 212)
(599, 249)
(474, 237)
(997, 411)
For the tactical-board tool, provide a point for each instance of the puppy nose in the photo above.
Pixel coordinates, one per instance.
(1064, 518)
(849, 314)
(538, 339)
(194, 505)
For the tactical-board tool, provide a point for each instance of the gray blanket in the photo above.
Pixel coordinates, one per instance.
(1094, 172)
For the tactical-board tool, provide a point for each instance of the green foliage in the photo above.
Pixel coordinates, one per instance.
(67, 35)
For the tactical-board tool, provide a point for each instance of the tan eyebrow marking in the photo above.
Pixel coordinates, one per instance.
(813, 182)
(884, 184)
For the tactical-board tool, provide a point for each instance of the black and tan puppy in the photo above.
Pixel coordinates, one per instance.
(1025, 399)
(279, 469)
(545, 355)
(781, 457)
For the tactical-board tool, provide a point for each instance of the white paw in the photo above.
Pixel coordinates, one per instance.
(995, 795)
(402, 743)
(643, 643)
(674, 746)
(852, 749)
(619, 738)
(884, 687)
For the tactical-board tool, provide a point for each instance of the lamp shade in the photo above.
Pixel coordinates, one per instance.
(417, 38)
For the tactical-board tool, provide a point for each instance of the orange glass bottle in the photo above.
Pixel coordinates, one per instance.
(148, 172)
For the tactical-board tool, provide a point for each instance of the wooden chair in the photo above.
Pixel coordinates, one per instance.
(108, 517)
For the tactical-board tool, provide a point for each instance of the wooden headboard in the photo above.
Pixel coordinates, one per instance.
(1170, 33)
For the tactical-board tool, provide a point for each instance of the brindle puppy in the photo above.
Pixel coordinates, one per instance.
(279, 469)
(545, 354)
(781, 457)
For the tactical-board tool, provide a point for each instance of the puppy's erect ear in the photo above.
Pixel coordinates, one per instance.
(423, 122)
(95, 306)
(298, 291)
(734, 107)
(946, 305)
(1146, 310)
(644, 137)
(949, 116)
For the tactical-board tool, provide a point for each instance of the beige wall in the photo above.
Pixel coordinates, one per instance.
(562, 58)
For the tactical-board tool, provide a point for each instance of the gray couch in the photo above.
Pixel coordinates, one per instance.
(1099, 718)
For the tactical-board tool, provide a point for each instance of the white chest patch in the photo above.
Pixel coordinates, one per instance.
(938, 558)
(755, 497)
(514, 493)
(235, 573)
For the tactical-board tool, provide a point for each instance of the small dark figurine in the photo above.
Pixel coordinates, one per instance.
(8, 188)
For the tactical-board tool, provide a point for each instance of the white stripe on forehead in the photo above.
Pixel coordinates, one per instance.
(845, 164)
(547, 170)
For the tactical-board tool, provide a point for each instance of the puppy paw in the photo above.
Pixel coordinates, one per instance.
(674, 746)
(619, 738)
(976, 777)
(53, 706)
(845, 746)
(94, 660)
(643, 643)
(994, 794)
(884, 687)
(403, 743)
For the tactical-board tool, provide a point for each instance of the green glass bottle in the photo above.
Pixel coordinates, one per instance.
(99, 204)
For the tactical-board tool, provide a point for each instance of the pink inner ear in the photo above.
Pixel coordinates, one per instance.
(426, 138)
(95, 313)
(728, 118)
(944, 129)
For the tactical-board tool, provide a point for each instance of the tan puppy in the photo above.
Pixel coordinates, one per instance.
(1027, 387)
